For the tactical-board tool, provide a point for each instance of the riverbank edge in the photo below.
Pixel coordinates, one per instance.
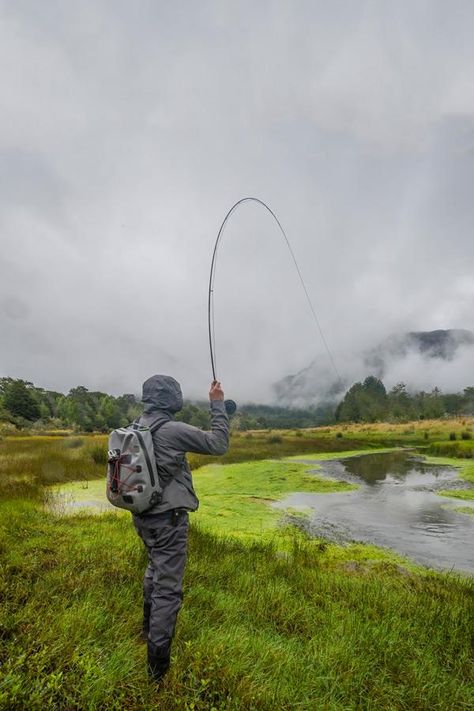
(466, 472)
(236, 502)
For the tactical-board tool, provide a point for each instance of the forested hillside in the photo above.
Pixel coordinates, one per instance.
(22, 404)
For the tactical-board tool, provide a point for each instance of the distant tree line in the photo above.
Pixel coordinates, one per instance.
(22, 404)
(370, 402)
(259, 417)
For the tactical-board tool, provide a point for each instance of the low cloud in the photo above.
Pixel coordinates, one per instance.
(422, 361)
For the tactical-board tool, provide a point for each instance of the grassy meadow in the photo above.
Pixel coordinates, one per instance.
(271, 619)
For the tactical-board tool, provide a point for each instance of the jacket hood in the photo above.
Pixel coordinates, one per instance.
(162, 392)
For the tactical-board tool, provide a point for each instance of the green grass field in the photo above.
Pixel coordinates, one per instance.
(271, 619)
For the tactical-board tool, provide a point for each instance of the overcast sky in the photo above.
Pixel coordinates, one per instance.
(128, 129)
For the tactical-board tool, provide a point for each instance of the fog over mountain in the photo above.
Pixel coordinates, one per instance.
(422, 360)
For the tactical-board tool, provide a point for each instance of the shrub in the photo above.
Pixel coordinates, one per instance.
(452, 436)
(339, 435)
(466, 435)
(7, 429)
(275, 439)
(425, 435)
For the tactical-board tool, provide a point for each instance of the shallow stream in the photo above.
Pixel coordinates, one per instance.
(395, 506)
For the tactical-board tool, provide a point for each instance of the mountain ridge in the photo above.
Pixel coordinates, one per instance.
(316, 382)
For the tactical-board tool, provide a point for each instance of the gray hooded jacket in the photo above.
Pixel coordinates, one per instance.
(162, 397)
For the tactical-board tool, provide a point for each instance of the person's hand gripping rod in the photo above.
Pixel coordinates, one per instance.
(216, 393)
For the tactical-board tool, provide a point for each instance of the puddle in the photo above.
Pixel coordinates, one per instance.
(76, 496)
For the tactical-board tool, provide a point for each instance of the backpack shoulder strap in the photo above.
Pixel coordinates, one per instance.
(153, 428)
(157, 426)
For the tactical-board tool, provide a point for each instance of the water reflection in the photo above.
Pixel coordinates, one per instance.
(395, 506)
(377, 467)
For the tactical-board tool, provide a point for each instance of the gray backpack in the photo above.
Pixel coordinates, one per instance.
(132, 475)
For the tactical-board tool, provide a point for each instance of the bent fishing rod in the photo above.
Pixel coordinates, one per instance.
(230, 404)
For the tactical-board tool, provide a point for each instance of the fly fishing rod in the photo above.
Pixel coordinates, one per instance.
(230, 404)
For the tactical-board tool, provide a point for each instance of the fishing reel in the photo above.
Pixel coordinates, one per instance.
(230, 407)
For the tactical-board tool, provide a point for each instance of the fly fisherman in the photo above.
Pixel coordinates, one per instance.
(164, 528)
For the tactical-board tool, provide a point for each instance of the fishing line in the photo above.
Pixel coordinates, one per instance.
(210, 301)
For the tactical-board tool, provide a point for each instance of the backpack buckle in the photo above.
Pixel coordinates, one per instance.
(113, 455)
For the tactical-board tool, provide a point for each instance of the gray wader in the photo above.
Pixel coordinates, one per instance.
(165, 537)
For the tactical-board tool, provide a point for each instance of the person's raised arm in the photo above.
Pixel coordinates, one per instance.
(216, 441)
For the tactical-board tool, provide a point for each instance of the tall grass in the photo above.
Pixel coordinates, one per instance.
(461, 449)
(258, 630)
(27, 464)
(284, 444)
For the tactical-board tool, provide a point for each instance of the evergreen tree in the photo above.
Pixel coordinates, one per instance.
(468, 401)
(80, 409)
(19, 399)
(109, 414)
(400, 404)
(364, 402)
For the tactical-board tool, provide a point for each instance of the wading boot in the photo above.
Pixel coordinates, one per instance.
(146, 621)
(158, 660)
